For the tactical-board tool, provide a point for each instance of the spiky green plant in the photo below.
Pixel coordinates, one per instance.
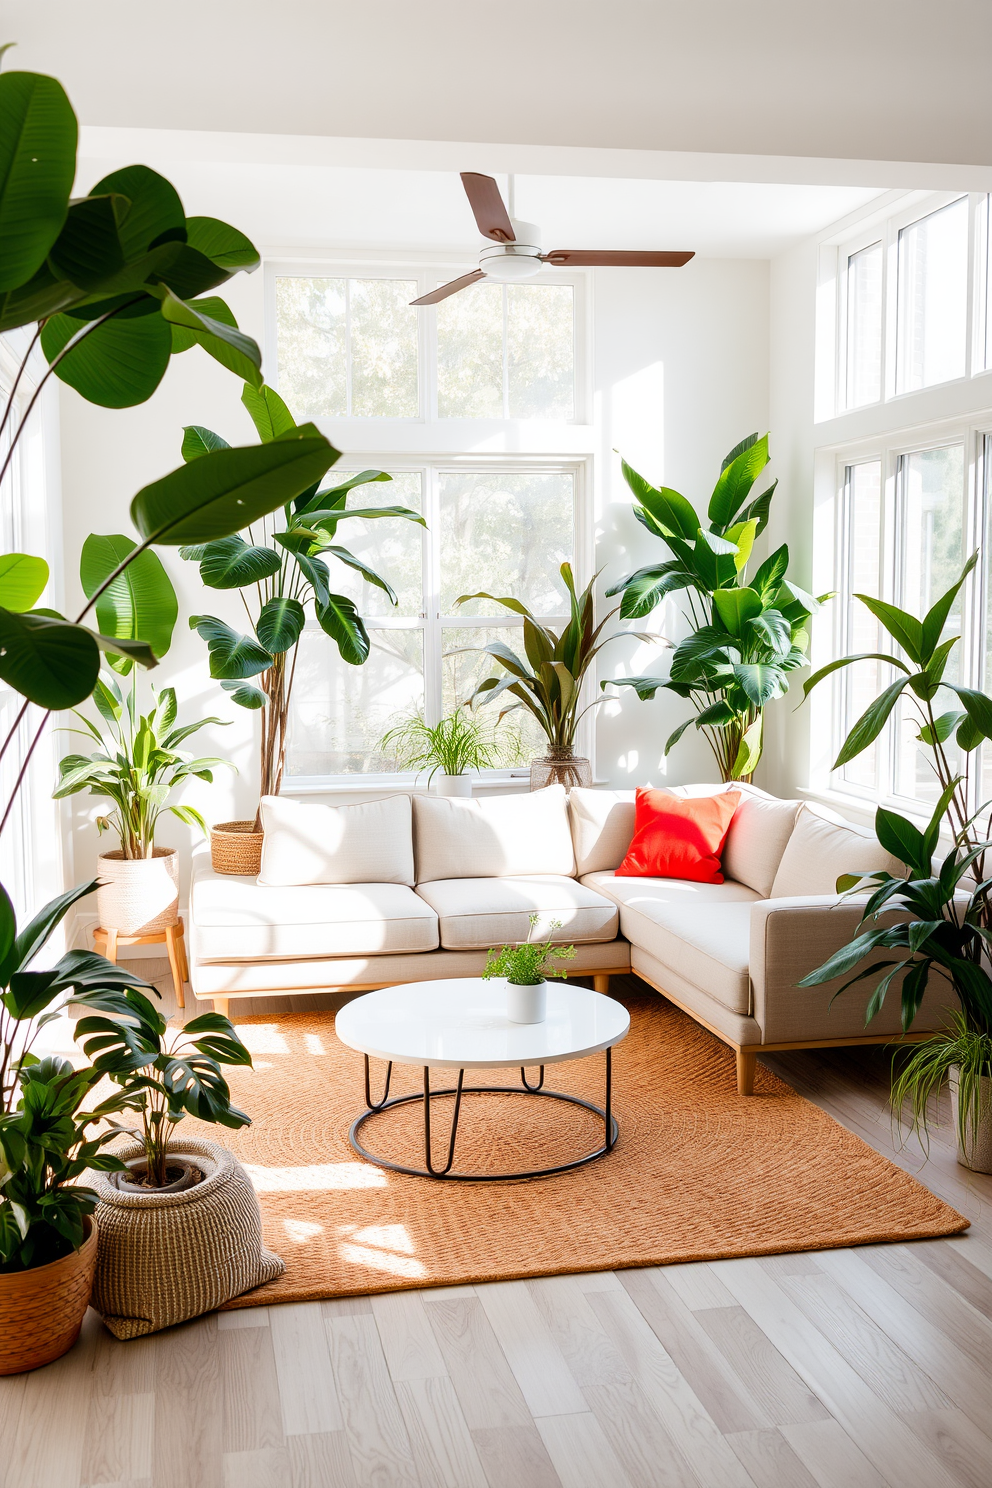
(528, 964)
(453, 746)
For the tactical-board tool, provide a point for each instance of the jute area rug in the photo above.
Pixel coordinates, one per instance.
(698, 1172)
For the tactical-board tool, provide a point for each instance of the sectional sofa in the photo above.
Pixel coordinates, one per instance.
(414, 887)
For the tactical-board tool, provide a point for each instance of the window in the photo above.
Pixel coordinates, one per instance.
(864, 326)
(504, 528)
(861, 684)
(352, 346)
(933, 298)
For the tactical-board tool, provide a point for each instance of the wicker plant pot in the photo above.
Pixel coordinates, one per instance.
(166, 1256)
(42, 1310)
(235, 847)
(138, 896)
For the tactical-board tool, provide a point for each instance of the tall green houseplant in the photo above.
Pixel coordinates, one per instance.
(745, 634)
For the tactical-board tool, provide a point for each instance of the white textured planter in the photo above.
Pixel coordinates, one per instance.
(977, 1151)
(138, 896)
(452, 785)
(526, 1004)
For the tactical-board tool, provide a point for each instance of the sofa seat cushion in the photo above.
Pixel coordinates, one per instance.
(702, 931)
(476, 913)
(237, 919)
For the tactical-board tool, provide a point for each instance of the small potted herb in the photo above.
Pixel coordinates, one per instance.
(447, 750)
(525, 968)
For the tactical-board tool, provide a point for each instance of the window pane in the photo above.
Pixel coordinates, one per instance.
(862, 682)
(931, 554)
(384, 331)
(520, 735)
(933, 293)
(864, 326)
(470, 353)
(311, 319)
(505, 534)
(390, 546)
(339, 712)
(539, 350)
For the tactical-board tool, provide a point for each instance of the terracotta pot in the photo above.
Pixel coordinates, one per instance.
(138, 896)
(977, 1151)
(452, 785)
(235, 847)
(42, 1310)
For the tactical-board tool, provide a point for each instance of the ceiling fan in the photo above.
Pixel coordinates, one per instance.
(516, 253)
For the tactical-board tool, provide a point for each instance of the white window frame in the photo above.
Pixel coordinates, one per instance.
(430, 442)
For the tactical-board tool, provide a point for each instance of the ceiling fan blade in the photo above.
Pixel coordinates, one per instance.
(450, 288)
(487, 204)
(594, 258)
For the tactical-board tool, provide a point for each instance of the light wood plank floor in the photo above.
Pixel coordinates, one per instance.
(853, 1368)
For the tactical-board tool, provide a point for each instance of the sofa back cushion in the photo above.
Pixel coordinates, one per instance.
(602, 827)
(821, 848)
(492, 839)
(757, 839)
(309, 844)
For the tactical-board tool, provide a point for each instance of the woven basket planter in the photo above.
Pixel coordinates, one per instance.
(42, 1310)
(166, 1257)
(235, 847)
(137, 896)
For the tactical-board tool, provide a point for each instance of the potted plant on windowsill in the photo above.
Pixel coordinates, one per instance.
(446, 750)
(548, 683)
(524, 969)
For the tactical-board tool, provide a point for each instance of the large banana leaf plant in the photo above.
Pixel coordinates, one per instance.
(279, 573)
(746, 635)
(946, 929)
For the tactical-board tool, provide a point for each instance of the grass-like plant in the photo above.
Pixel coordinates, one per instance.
(457, 744)
(529, 964)
(960, 1050)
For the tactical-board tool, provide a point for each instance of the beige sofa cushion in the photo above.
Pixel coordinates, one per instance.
(602, 826)
(502, 836)
(236, 919)
(756, 840)
(310, 844)
(821, 848)
(476, 913)
(701, 931)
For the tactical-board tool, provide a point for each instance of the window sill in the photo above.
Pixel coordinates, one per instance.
(390, 785)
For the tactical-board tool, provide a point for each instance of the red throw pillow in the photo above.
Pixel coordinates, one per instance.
(678, 837)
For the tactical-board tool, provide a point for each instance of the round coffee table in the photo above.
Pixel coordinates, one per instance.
(461, 1024)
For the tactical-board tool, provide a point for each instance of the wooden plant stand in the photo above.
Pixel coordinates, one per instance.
(107, 942)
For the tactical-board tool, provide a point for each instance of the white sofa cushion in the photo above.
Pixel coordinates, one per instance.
(702, 931)
(310, 844)
(821, 848)
(602, 827)
(505, 835)
(757, 838)
(476, 913)
(236, 919)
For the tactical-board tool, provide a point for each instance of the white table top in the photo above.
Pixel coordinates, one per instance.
(461, 1023)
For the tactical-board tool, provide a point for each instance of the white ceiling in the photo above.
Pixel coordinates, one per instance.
(879, 80)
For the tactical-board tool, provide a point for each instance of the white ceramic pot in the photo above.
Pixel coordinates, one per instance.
(526, 1004)
(452, 785)
(977, 1151)
(137, 896)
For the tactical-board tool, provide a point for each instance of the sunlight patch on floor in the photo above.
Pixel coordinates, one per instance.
(300, 1231)
(314, 1043)
(262, 1038)
(383, 1248)
(315, 1177)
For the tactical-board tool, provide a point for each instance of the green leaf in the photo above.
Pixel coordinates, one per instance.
(213, 307)
(743, 534)
(669, 509)
(245, 697)
(749, 752)
(833, 666)
(22, 580)
(268, 412)
(369, 574)
(227, 345)
(231, 563)
(978, 708)
(771, 573)
(154, 214)
(645, 687)
(903, 840)
(870, 724)
(719, 714)
(232, 656)
(646, 588)
(936, 617)
(735, 482)
(739, 449)
(280, 623)
(224, 245)
(225, 490)
(903, 627)
(774, 630)
(968, 737)
(942, 730)
(34, 935)
(37, 165)
(51, 662)
(760, 508)
(88, 250)
(117, 365)
(141, 604)
(735, 607)
(199, 441)
(339, 619)
(8, 926)
(676, 734)
(759, 681)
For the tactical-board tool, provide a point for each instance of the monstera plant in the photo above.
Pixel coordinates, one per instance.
(745, 634)
(280, 573)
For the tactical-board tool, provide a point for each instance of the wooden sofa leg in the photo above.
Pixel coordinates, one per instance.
(747, 1060)
(601, 983)
(222, 1005)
